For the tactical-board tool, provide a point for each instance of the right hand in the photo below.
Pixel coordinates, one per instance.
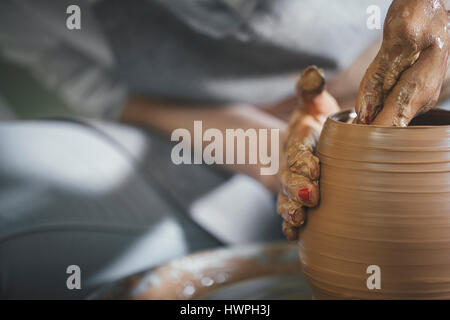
(299, 180)
(405, 78)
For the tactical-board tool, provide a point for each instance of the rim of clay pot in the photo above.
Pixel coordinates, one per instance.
(341, 118)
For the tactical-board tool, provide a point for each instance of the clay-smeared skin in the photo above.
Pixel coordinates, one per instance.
(299, 180)
(385, 192)
(385, 201)
(406, 76)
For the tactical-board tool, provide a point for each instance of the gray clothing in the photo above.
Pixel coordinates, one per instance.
(105, 198)
(203, 50)
(108, 198)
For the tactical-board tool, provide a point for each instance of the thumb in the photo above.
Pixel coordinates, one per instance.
(311, 91)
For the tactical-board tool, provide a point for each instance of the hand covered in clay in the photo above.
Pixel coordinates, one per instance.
(299, 180)
(405, 78)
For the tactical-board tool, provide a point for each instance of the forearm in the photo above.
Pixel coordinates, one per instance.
(166, 117)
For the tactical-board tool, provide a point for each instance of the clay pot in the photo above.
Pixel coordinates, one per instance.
(385, 201)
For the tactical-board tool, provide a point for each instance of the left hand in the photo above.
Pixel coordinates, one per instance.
(299, 180)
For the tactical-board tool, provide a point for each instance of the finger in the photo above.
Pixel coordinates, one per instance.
(403, 38)
(401, 59)
(289, 231)
(300, 188)
(311, 91)
(290, 211)
(416, 90)
(370, 95)
(311, 83)
(301, 161)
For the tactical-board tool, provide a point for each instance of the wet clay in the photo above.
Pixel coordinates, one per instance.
(384, 201)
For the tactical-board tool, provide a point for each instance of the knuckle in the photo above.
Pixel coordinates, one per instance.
(291, 211)
(304, 163)
(400, 31)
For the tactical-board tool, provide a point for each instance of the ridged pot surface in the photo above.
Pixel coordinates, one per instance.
(385, 202)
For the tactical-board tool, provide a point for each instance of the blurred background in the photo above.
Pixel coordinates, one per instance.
(79, 186)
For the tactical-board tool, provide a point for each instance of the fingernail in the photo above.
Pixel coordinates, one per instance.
(304, 194)
(368, 113)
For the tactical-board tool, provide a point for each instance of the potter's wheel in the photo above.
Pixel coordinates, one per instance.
(268, 271)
